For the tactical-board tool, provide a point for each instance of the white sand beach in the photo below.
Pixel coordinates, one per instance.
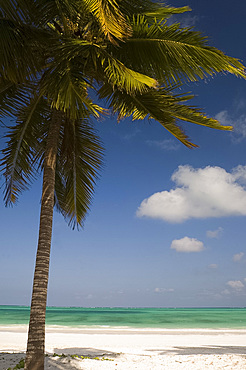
(122, 348)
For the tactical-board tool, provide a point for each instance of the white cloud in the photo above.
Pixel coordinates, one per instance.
(189, 21)
(187, 245)
(238, 256)
(239, 174)
(213, 266)
(235, 284)
(215, 233)
(224, 118)
(240, 104)
(186, 20)
(199, 193)
(239, 124)
(163, 290)
(89, 296)
(240, 127)
(167, 144)
(133, 133)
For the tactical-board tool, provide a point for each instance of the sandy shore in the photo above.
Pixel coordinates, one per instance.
(130, 349)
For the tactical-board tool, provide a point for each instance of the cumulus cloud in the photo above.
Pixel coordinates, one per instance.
(187, 245)
(167, 144)
(199, 193)
(215, 234)
(238, 256)
(235, 284)
(213, 266)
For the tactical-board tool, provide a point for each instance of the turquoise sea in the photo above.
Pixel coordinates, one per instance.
(169, 318)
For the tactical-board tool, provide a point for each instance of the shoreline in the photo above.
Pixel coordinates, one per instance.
(121, 329)
(106, 329)
(124, 348)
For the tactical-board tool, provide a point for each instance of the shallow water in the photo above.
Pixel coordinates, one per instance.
(169, 318)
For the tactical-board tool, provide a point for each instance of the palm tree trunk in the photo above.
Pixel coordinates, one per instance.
(36, 335)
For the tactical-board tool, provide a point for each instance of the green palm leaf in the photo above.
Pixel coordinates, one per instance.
(22, 50)
(17, 10)
(59, 13)
(80, 157)
(124, 78)
(173, 54)
(112, 21)
(161, 105)
(164, 12)
(88, 60)
(12, 98)
(66, 88)
(25, 141)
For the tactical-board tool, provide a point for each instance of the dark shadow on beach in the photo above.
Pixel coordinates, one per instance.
(88, 352)
(61, 357)
(202, 350)
(69, 356)
(8, 359)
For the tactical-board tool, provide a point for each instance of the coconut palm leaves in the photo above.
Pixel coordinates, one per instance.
(53, 54)
(77, 168)
(112, 15)
(78, 161)
(24, 140)
(160, 105)
(174, 54)
(112, 22)
(21, 47)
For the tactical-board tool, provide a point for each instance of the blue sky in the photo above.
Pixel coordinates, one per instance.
(132, 251)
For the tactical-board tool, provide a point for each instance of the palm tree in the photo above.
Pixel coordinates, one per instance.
(54, 57)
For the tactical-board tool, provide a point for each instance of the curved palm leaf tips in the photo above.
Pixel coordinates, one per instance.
(53, 54)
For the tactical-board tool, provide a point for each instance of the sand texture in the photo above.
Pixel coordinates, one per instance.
(130, 349)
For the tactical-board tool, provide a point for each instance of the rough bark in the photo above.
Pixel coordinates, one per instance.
(36, 335)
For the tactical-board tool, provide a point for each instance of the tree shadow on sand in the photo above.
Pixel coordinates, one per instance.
(62, 358)
(202, 350)
(69, 357)
(88, 352)
(8, 359)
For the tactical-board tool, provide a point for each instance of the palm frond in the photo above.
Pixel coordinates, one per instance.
(162, 106)
(130, 8)
(50, 10)
(164, 12)
(78, 163)
(66, 87)
(12, 98)
(21, 50)
(149, 8)
(23, 148)
(124, 78)
(95, 63)
(112, 21)
(173, 54)
(17, 10)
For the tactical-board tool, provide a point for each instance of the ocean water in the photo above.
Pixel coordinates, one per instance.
(168, 318)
